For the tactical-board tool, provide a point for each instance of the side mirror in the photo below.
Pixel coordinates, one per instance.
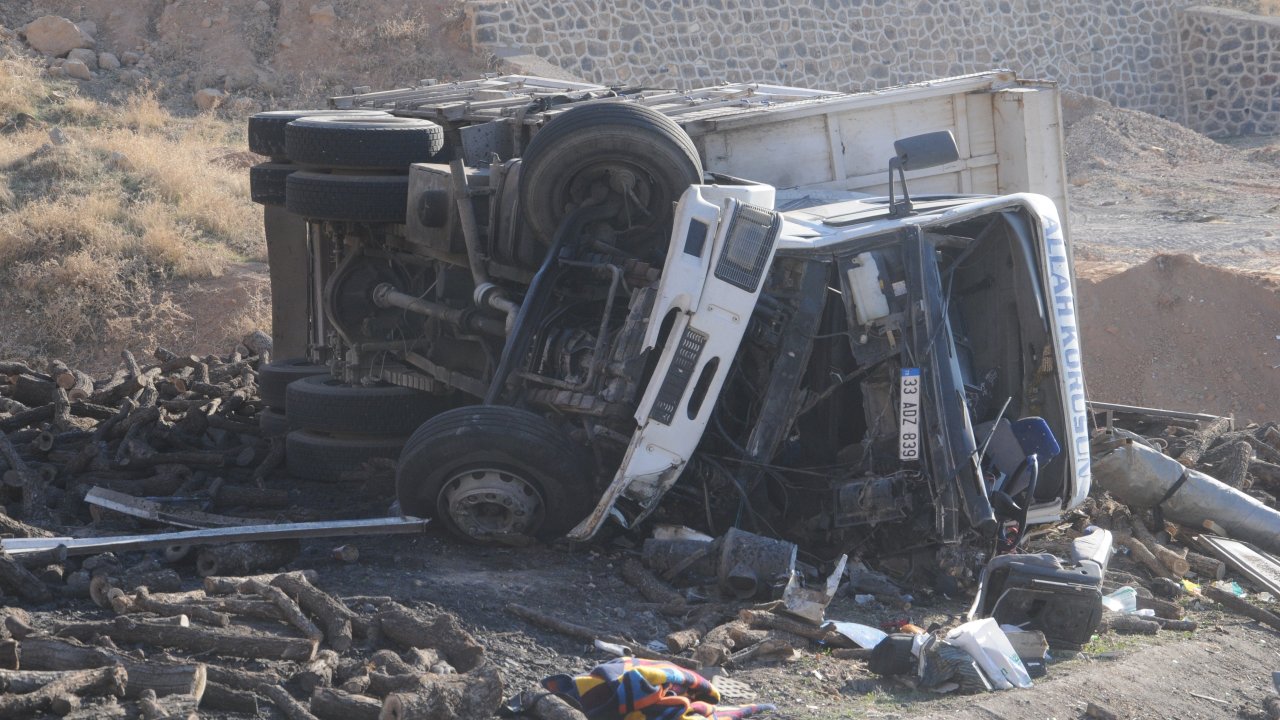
(926, 151)
(914, 153)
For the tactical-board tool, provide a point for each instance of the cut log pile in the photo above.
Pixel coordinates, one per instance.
(1158, 554)
(180, 426)
(177, 442)
(312, 655)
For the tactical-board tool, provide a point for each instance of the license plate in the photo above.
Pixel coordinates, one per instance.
(909, 414)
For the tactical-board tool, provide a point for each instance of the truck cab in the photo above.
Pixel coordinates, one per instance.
(597, 320)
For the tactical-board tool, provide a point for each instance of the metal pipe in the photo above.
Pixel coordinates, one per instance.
(385, 295)
(467, 216)
(539, 295)
(486, 293)
(1142, 476)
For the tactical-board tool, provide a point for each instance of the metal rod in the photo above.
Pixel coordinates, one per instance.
(211, 536)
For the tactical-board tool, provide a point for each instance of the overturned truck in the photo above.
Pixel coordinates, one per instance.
(846, 319)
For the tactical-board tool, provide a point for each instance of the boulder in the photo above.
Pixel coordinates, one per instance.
(131, 77)
(77, 69)
(209, 98)
(261, 6)
(86, 56)
(130, 58)
(55, 35)
(108, 61)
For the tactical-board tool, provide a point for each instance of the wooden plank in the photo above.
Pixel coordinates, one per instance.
(211, 536)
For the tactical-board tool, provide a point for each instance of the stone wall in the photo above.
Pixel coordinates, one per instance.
(1123, 51)
(1231, 71)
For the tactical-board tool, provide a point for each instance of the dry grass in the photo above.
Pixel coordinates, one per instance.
(20, 88)
(100, 236)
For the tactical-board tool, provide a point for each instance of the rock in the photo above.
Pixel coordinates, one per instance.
(131, 77)
(119, 161)
(261, 7)
(77, 69)
(86, 56)
(209, 98)
(130, 58)
(55, 35)
(108, 61)
(286, 42)
(239, 80)
(205, 23)
(257, 341)
(269, 84)
(323, 14)
(57, 137)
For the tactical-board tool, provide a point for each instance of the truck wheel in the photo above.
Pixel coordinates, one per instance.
(266, 129)
(373, 143)
(324, 458)
(274, 377)
(267, 181)
(619, 149)
(324, 403)
(487, 472)
(356, 198)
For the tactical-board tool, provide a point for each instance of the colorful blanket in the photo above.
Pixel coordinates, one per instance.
(633, 689)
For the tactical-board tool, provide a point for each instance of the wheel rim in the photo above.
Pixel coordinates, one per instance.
(487, 502)
(639, 200)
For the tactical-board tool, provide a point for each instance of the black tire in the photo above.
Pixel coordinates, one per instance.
(356, 198)
(267, 181)
(376, 143)
(463, 442)
(273, 378)
(323, 403)
(266, 129)
(585, 146)
(272, 423)
(325, 458)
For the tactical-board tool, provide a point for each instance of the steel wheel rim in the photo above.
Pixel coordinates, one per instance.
(486, 502)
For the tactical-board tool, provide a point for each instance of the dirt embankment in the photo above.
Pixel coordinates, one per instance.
(267, 51)
(1177, 243)
(1176, 333)
(125, 218)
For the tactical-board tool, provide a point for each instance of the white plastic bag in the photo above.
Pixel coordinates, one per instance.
(864, 636)
(986, 642)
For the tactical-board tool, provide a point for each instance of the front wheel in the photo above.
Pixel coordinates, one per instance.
(492, 474)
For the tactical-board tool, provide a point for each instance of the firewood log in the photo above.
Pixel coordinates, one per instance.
(221, 697)
(471, 695)
(286, 703)
(333, 704)
(444, 633)
(334, 617)
(63, 695)
(244, 644)
(245, 557)
(292, 612)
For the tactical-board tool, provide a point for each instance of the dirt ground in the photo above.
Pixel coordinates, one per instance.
(1177, 240)
(1228, 658)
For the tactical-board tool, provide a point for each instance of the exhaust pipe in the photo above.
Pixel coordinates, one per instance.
(1141, 476)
